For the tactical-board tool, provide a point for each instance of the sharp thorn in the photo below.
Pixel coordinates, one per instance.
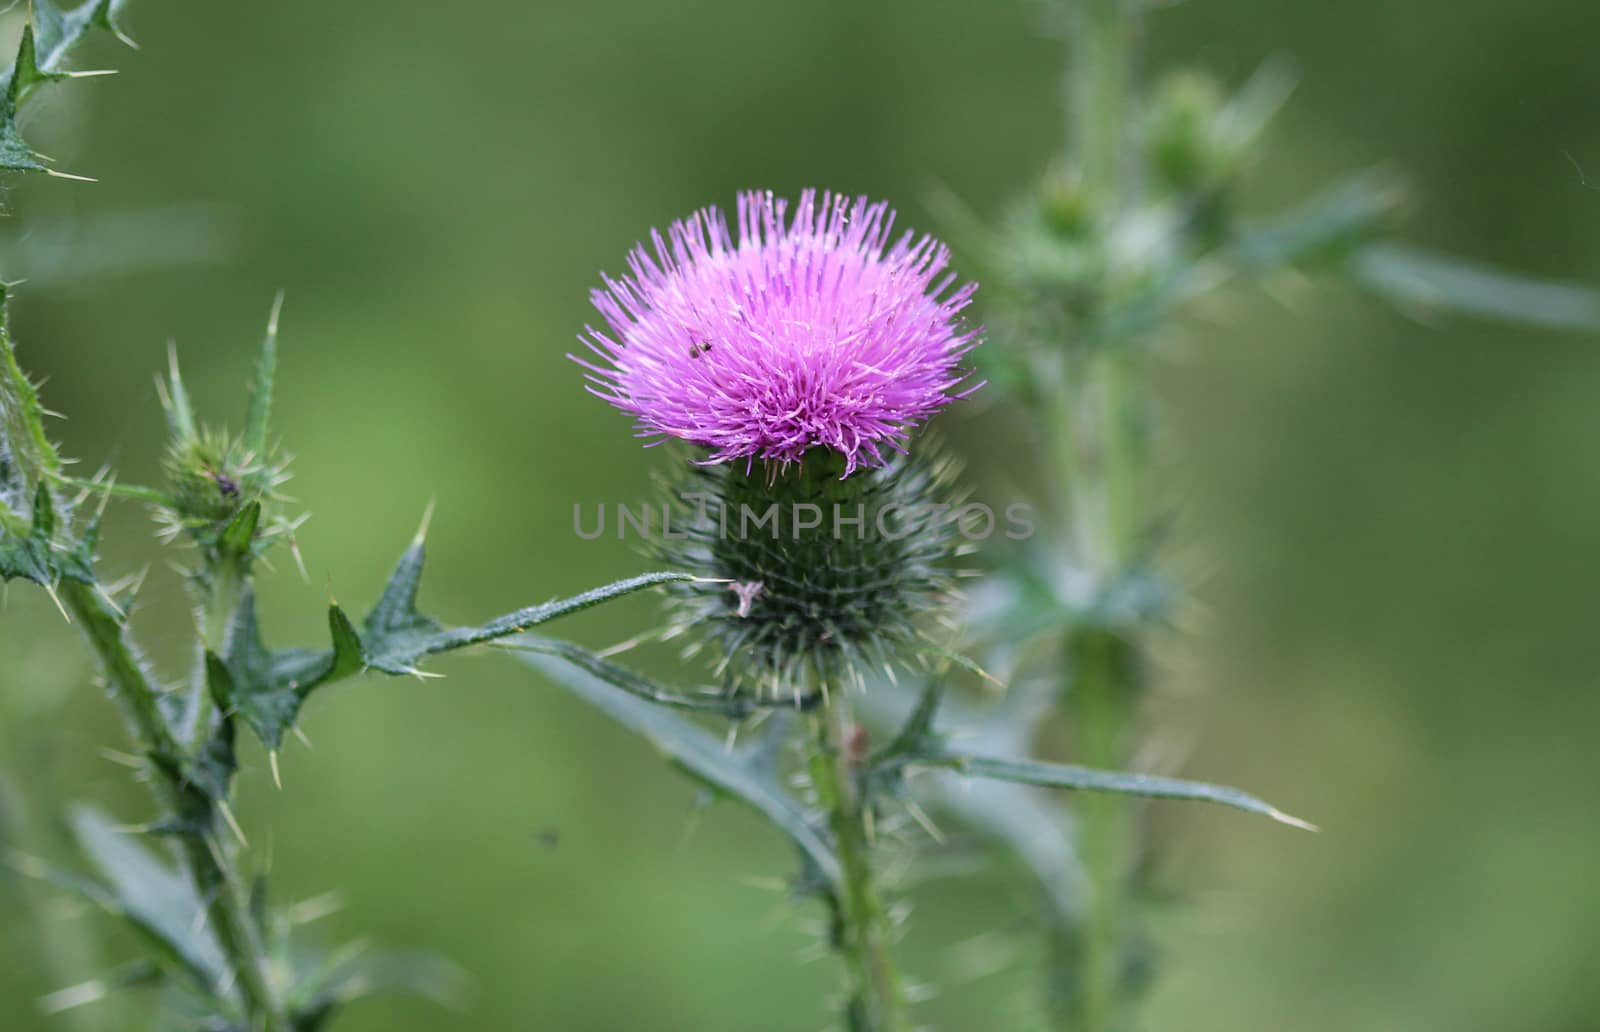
(272, 319)
(50, 589)
(233, 823)
(427, 521)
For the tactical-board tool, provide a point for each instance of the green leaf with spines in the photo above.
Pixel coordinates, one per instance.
(750, 776)
(41, 59)
(267, 687)
(919, 743)
(396, 636)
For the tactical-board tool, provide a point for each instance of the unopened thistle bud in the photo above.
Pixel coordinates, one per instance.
(800, 355)
(211, 477)
(1182, 133)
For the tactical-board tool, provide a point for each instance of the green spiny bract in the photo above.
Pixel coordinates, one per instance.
(810, 577)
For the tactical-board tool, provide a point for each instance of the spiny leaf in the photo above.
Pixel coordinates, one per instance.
(264, 687)
(1060, 775)
(61, 30)
(348, 655)
(750, 778)
(41, 58)
(397, 648)
(268, 687)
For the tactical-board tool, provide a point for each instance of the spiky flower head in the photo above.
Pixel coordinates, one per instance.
(813, 328)
(810, 578)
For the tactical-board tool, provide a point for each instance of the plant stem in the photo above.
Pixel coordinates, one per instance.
(1105, 459)
(862, 932)
(1102, 51)
(221, 589)
(208, 861)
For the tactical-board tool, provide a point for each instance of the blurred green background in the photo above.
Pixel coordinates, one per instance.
(1397, 520)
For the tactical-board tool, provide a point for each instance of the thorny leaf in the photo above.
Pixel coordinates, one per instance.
(267, 687)
(41, 59)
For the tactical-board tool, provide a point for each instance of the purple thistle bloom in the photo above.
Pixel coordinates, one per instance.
(811, 330)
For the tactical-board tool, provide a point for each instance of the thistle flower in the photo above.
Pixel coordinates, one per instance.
(811, 330)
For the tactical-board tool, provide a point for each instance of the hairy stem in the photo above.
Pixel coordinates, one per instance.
(208, 861)
(862, 931)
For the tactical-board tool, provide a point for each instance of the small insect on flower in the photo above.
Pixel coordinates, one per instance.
(829, 331)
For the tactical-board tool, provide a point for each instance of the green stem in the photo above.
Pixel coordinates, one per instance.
(208, 860)
(221, 589)
(1101, 56)
(1105, 457)
(1102, 701)
(862, 931)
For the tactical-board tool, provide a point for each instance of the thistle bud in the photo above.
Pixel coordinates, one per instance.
(1184, 144)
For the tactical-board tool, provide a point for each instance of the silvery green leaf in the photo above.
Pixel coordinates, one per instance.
(750, 777)
(151, 895)
(1087, 779)
(1415, 277)
(41, 58)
